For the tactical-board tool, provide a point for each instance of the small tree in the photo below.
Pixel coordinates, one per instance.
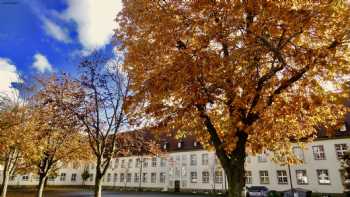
(57, 136)
(15, 142)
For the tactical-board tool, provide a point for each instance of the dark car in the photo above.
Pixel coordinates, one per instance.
(260, 191)
(297, 192)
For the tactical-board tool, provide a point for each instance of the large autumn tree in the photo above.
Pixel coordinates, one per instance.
(244, 76)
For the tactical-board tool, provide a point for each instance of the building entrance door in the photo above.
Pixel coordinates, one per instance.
(177, 186)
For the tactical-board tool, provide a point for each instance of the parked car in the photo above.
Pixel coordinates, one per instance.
(297, 192)
(259, 191)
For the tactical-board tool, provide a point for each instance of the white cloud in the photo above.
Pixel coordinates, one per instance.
(8, 75)
(94, 20)
(41, 63)
(55, 31)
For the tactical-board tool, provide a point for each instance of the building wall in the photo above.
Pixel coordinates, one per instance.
(178, 167)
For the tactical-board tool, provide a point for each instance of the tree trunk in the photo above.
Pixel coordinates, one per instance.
(98, 185)
(41, 186)
(236, 180)
(5, 180)
(235, 170)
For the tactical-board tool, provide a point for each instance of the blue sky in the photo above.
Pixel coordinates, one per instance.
(45, 36)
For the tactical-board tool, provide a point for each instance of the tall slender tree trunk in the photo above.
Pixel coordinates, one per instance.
(41, 186)
(98, 185)
(5, 179)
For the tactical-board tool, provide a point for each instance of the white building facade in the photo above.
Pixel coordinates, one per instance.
(198, 169)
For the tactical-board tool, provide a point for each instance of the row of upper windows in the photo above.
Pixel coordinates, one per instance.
(318, 154)
(282, 178)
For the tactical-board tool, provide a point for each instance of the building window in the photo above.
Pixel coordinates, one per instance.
(154, 162)
(298, 152)
(184, 160)
(262, 158)
(318, 152)
(340, 149)
(63, 177)
(153, 177)
(204, 159)
(205, 177)
(323, 177)
(218, 176)
(144, 177)
(129, 163)
(343, 128)
(115, 177)
(248, 177)
(73, 177)
(51, 178)
(122, 177)
(162, 177)
(165, 145)
(123, 164)
(145, 162)
(91, 177)
(116, 163)
(162, 162)
(193, 177)
(301, 177)
(264, 177)
(109, 177)
(25, 178)
(193, 160)
(128, 177)
(282, 177)
(136, 178)
(138, 163)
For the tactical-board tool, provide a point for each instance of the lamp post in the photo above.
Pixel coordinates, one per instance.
(290, 180)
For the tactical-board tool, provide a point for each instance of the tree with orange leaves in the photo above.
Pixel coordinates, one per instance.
(244, 76)
(15, 138)
(57, 137)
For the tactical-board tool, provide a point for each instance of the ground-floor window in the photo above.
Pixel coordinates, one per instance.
(218, 176)
(128, 178)
(301, 177)
(205, 177)
(323, 177)
(193, 177)
(63, 177)
(136, 178)
(115, 177)
(25, 177)
(264, 177)
(73, 177)
(122, 177)
(153, 177)
(144, 177)
(91, 177)
(108, 177)
(282, 177)
(248, 177)
(162, 177)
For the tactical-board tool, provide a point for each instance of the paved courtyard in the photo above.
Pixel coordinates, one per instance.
(77, 193)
